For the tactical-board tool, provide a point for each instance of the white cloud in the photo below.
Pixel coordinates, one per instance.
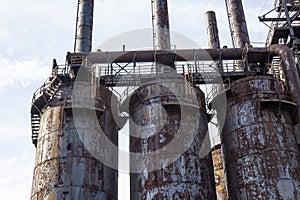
(15, 174)
(23, 71)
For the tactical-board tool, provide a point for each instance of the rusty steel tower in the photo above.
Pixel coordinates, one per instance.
(66, 166)
(255, 98)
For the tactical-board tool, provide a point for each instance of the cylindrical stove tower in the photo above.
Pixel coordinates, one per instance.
(66, 165)
(169, 118)
(260, 151)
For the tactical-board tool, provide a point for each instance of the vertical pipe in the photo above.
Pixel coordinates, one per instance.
(212, 30)
(213, 33)
(84, 29)
(238, 23)
(161, 25)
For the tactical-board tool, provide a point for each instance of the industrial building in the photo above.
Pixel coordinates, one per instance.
(254, 97)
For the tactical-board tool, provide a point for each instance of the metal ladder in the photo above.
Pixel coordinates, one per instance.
(35, 127)
(54, 87)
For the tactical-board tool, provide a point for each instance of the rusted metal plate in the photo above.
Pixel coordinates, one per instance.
(219, 171)
(65, 168)
(260, 150)
(155, 112)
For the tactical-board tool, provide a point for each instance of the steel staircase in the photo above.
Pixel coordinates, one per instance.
(41, 99)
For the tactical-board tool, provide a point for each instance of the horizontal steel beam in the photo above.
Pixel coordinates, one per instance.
(198, 78)
(263, 19)
(253, 55)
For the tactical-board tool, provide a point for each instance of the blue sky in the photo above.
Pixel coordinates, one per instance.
(33, 32)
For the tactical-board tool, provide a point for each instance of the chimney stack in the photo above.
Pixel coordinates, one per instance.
(161, 25)
(238, 23)
(84, 28)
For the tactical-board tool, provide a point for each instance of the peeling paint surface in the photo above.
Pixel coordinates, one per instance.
(260, 150)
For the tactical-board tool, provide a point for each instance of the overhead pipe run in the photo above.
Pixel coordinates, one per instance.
(253, 55)
(84, 28)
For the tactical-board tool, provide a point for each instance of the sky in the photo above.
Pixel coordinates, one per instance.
(33, 32)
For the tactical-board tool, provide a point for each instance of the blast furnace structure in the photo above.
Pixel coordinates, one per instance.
(255, 97)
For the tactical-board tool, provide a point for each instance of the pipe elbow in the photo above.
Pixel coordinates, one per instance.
(290, 71)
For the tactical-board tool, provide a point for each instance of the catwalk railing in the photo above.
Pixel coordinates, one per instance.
(130, 70)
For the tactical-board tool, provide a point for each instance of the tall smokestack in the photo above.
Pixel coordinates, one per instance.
(84, 28)
(237, 22)
(212, 30)
(213, 33)
(161, 25)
